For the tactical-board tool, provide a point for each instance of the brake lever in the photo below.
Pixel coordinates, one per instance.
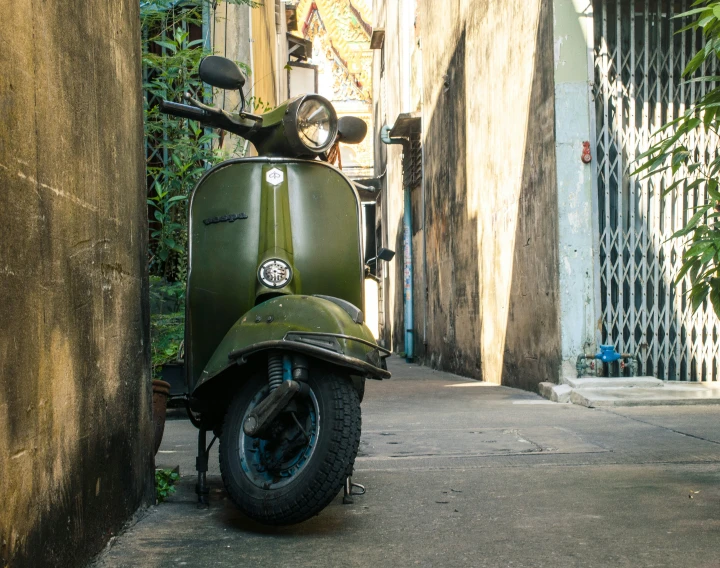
(237, 124)
(196, 103)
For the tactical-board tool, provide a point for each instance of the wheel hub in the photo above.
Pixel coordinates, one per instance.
(285, 448)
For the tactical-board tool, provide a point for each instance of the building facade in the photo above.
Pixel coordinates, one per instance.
(529, 241)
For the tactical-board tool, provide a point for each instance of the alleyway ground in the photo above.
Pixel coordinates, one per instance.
(463, 474)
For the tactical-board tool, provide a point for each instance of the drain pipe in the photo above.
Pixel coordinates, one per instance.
(407, 243)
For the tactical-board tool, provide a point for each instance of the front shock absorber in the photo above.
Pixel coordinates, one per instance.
(275, 370)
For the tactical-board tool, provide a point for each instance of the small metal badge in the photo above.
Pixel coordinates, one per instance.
(274, 176)
(275, 273)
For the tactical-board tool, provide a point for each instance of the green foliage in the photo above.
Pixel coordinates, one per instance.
(183, 150)
(166, 297)
(258, 105)
(164, 481)
(694, 171)
(167, 322)
(166, 339)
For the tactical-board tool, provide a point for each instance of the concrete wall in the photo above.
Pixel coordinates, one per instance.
(573, 39)
(230, 37)
(249, 35)
(75, 396)
(491, 214)
(490, 188)
(391, 96)
(269, 54)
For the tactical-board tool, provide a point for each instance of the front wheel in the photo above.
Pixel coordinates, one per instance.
(301, 462)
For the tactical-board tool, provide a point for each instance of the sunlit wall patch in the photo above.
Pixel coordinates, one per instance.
(275, 273)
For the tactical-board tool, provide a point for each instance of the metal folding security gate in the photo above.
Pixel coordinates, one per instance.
(638, 63)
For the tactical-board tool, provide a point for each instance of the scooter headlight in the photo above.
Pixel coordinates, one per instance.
(311, 125)
(314, 123)
(275, 273)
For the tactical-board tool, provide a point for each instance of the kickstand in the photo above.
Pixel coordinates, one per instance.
(201, 465)
(348, 493)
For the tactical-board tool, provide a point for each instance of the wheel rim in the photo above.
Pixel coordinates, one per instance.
(273, 463)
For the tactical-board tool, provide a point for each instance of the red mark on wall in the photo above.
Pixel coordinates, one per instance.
(586, 157)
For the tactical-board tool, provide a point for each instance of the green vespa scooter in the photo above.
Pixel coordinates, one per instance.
(276, 348)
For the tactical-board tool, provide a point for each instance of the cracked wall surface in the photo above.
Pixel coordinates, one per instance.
(75, 396)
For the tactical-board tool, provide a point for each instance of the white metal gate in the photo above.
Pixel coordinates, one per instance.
(638, 65)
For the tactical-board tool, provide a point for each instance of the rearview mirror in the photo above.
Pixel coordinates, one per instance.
(221, 73)
(351, 129)
(386, 254)
(383, 254)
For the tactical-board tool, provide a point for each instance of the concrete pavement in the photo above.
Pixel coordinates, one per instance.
(459, 473)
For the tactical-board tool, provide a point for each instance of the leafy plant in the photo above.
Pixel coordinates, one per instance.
(258, 105)
(167, 322)
(164, 483)
(166, 297)
(166, 339)
(693, 170)
(180, 149)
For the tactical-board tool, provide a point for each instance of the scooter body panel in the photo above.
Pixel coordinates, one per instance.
(244, 212)
(310, 325)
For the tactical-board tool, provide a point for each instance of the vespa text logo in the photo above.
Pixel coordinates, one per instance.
(274, 176)
(225, 218)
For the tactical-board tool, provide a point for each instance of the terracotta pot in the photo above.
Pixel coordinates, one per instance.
(161, 391)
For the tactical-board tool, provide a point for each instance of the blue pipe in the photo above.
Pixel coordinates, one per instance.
(407, 250)
(408, 276)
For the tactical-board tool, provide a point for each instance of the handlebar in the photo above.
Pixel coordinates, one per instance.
(183, 111)
(244, 124)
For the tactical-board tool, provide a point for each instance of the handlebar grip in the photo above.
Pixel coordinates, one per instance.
(183, 111)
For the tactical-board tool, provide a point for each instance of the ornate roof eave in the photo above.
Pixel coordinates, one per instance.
(367, 28)
(331, 25)
(315, 12)
(306, 26)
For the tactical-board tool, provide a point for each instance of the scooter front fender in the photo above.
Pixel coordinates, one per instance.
(325, 328)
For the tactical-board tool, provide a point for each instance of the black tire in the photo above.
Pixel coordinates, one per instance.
(323, 475)
(359, 383)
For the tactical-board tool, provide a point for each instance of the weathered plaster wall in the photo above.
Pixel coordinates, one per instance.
(572, 43)
(389, 83)
(75, 417)
(268, 58)
(230, 37)
(491, 189)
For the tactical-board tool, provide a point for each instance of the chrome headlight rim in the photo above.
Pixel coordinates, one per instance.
(292, 126)
(269, 281)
